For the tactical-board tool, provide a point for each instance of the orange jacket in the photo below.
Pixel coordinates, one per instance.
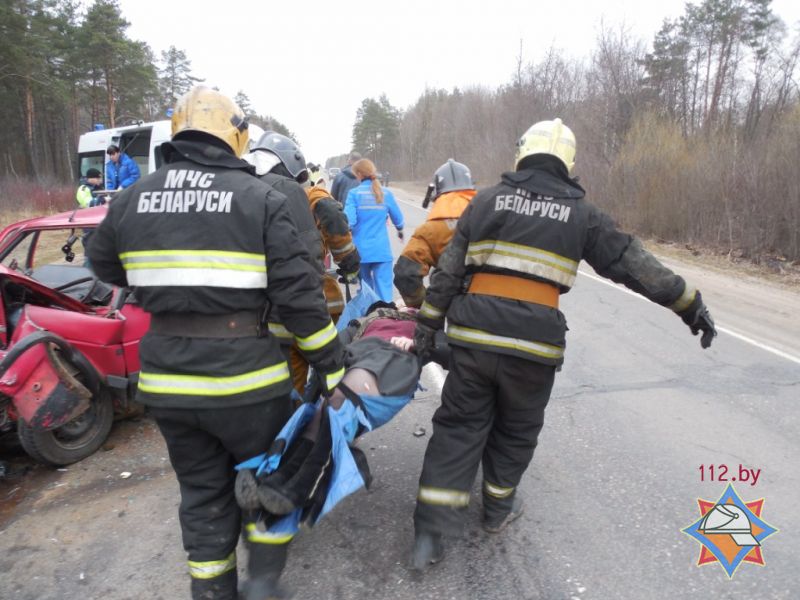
(427, 244)
(336, 239)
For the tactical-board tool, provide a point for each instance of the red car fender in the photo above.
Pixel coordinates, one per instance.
(41, 381)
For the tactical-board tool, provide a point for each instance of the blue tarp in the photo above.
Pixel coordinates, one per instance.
(346, 423)
(358, 305)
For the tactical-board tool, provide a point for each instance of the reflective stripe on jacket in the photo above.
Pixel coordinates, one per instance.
(202, 235)
(535, 224)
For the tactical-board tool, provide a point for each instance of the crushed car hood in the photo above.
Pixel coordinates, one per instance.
(40, 293)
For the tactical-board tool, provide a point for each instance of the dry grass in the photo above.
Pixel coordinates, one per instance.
(775, 270)
(771, 268)
(36, 198)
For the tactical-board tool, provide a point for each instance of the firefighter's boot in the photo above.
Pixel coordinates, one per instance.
(428, 550)
(265, 563)
(499, 523)
(262, 588)
(222, 587)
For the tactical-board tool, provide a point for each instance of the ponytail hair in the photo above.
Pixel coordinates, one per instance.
(365, 169)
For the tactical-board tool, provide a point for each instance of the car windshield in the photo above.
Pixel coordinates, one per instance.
(54, 257)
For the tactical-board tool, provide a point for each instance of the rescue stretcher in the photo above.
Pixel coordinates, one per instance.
(362, 409)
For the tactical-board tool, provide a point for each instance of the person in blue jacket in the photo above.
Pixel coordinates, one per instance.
(367, 207)
(121, 170)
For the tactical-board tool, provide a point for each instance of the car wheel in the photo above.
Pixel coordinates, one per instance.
(74, 440)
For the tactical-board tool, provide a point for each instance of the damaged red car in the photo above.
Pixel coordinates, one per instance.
(69, 343)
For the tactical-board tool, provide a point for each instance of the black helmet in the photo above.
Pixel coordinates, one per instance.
(287, 151)
(452, 176)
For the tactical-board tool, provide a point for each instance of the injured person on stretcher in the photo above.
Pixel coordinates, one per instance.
(382, 375)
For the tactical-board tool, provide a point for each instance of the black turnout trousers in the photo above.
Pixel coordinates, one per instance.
(204, 446)
(492, 412)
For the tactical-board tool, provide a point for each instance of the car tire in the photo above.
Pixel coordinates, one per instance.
(74, 440)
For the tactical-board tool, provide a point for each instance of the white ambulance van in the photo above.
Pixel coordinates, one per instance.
(142, 142)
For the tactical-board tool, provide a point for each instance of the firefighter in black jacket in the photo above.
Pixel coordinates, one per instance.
(279, 161)
(208, 247)
(516, 249)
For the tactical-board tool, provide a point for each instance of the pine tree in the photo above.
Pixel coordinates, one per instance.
(175, 77)
(106, 43)
(243, 101)
(376, 131)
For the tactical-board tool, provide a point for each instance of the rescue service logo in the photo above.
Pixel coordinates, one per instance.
(730, 531)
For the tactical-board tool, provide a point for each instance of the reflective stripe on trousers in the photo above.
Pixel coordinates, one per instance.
(256, 536)
(443, 497)
(484, 338)
(523, 259)
(212, 568)
(214, 268)
(496, 490)
(197, 385)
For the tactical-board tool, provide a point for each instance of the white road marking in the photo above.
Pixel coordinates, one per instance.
(730, 332)
(418, 206)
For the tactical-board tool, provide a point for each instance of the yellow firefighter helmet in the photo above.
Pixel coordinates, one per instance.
(548, 137)
(208, 111)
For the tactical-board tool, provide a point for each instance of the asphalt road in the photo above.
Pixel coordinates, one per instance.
(636, 410)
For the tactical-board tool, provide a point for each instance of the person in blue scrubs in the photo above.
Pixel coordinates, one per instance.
(367, 207)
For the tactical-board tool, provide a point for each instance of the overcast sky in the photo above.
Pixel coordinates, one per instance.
(311, 63)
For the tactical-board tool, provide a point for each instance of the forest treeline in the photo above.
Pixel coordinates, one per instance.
(64, 68)
(693, 137)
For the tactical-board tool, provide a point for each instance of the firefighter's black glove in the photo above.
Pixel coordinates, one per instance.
(401, 235)
(440, 351)
(423, 340)
(699, 319)
(350, 263)
(345, 277)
